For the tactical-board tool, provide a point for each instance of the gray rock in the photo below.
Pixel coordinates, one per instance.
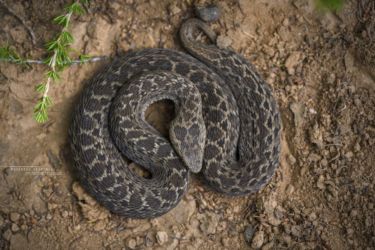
(249, 232)
(209, 13)
(149, 239)
(223, 41)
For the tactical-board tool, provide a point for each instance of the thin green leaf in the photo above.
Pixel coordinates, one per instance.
(76, 8)
(52, 45)
(41, 87)
(53, 75)
(66, 38)
(47, 101)
(62, 20)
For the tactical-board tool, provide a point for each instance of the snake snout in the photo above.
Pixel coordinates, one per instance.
(189, 144)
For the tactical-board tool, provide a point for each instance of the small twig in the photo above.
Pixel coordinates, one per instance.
(77, 61)
(29, 30)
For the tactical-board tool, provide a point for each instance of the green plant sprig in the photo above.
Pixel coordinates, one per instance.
(59, 49)
(9, 54)
(58, 58)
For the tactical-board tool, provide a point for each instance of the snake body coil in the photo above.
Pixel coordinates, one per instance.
(227, 127)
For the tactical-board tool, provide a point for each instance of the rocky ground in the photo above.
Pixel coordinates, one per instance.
(321, 68)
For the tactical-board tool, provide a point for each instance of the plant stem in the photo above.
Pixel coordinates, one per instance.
(31, 61)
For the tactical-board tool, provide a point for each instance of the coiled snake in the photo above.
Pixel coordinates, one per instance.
(227, 127)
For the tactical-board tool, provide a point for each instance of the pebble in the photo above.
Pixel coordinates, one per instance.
(258, 240)
(161, 237)
(65, 214)
(223, 41)
(7, 235)
(312, 216)
(49, 216)
(100, 225)
(296, 231)
(289, 189)
(292, 61)
(249, 232)
(267, 246)
(174, 9)
(320, 183)
(15, 227)
(14, 217)
(131, 243)
(209, 223)
(225, 241)
(291, 159)
(149, 239)
(209, 13)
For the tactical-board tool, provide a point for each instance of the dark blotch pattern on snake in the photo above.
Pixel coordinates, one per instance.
(227, 127)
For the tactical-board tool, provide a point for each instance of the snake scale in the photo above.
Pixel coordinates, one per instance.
(226, 127)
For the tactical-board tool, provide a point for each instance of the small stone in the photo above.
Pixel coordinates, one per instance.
(249, 233)
(149, 239)
(225, 241)
(65, 214)
(292, 61)
(312, 216)
(268, 246)
(258, 240)
(100, 225)
(324, 162)
(14, 217)
(353, 213)
(320, 183)
(357, 147)
(131, 243)
(161, 237)
(349, 155)
(174, 9)
(298, 110)
(349, 61)
(49, 216)
(296, 231)
(210, 13)
(223, 41)
(209, 223)
(291, 159)
(7, 235)
(286, 22)
(15, 227)
(289, 189)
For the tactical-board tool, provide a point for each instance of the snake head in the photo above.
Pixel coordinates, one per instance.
(189, 141)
